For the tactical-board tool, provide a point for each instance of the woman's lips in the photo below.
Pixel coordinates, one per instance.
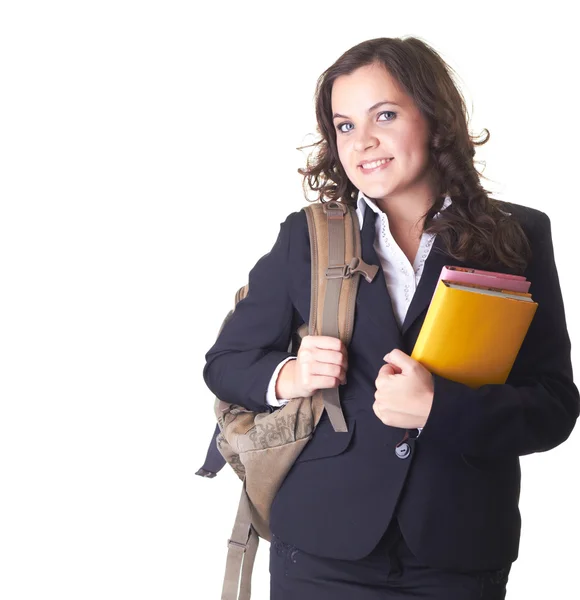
(379, 168)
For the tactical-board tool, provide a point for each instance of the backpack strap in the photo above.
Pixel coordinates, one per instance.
(337, 264)
(242, 549)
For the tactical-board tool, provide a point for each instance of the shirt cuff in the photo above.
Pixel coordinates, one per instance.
(271, 392)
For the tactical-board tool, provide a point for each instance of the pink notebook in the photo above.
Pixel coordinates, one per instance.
(503, 281)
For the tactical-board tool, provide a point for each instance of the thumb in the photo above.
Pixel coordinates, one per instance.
(401, 360)
(389, 369)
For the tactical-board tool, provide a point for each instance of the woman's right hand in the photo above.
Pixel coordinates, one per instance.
(321, 363)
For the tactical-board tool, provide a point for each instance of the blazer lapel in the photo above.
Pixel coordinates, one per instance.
(436, 260)
(373, 301)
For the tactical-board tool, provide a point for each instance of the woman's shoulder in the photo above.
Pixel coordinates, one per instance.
(296, 219)
(295, 225)
(293, 238)
(527, 214)
(533, 221)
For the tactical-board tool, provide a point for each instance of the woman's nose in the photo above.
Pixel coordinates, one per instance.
(365, 140)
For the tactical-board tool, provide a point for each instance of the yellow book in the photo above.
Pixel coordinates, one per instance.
(472, 334)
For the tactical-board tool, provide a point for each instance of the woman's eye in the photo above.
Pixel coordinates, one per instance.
(387, 112)
(384, 112)
(340, 126)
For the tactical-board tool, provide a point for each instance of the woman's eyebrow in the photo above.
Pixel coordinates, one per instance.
(370, 109)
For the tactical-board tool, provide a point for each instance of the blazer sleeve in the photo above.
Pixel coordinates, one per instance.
(536, 409)
(257, 335)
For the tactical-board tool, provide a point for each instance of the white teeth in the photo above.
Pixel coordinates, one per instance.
(374, 165)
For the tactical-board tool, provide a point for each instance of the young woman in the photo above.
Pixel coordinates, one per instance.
(361, 515)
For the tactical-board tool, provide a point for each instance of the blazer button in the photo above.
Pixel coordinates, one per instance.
(403, 451)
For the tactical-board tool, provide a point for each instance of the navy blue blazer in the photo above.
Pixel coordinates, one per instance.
(455, 488)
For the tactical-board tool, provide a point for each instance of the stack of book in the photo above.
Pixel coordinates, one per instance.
(475, 325)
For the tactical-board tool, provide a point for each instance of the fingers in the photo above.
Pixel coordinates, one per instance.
(385, 370)
(323, 341)
(322, 363)
(330, 357)
(327, 370)
(390, 369)
(326, 374)
(324, 349)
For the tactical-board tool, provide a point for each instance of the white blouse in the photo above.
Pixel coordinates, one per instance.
(401, 276)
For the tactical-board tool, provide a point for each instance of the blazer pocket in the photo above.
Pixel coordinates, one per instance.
(326, 442)
(485, 464)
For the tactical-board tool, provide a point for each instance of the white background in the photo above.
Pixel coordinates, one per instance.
(148, 156)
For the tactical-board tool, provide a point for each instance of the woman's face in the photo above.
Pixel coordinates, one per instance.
(375, 119)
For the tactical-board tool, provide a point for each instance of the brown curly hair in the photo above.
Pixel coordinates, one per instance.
(474, 227)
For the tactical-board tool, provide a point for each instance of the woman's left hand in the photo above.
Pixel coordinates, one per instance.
(404, 393)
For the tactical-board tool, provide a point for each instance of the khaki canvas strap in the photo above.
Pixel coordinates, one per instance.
(242, 548)
(335, 274)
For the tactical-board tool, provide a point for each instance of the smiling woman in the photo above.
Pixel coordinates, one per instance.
(419, 496)
(392, 98)
(373, 138)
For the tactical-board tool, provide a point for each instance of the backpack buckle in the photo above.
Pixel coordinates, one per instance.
(338, 272)
(356, 265)
(335, 209)
(237, 545)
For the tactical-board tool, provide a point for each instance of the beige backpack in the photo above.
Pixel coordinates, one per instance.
(262, 447)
